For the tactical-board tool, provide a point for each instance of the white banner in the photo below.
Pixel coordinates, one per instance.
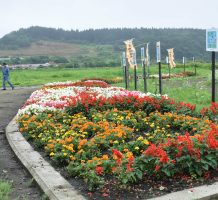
(147, 55)
(167, 60)
(124, 58)
(142, 54)
(158, 52)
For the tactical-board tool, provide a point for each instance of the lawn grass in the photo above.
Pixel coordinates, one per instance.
(5, 189)
(194, 89)
(42, 76)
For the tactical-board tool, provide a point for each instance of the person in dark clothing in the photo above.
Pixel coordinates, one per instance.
(5, 77)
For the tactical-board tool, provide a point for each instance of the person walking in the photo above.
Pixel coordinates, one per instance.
(5, 76)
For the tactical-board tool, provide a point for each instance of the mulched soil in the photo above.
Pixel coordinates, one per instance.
(23, 186)
(149, 188)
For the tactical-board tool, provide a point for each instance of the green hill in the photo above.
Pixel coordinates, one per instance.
(102, 44)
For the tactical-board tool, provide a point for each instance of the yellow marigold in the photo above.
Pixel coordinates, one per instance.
(51, 146)
(146, 142)
(140, 138)
(81, 143)
(136, 148)
(129, 154)
(125, 150)
(105, 157)
(68, 140)
(152, 125)
(70, 148)
(95, 158)
(51, 154)
(72, 158)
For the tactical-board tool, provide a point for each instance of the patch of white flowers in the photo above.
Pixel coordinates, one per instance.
(57, 98)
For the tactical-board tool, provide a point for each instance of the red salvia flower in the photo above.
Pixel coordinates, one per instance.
(99, 170)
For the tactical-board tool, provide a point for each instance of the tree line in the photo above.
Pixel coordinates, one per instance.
(186, 41)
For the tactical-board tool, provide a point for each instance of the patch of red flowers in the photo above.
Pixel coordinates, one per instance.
(99, 170)
(117, 155)
(157, 152)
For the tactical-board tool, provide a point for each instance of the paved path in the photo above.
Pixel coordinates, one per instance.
(10, 168)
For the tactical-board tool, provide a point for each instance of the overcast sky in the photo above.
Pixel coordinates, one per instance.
(85, 14)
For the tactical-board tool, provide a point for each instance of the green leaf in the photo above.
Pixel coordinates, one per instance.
(166, 171)
(210, 157)
(206, 167)
(139, 174)
(198, 170)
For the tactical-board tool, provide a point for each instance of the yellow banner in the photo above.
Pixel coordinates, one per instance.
(171, 58)
(130, 53)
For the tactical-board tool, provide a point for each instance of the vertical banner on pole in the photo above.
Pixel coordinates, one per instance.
(167, 60)
(212, 45)
(130, 51)
(124, 58)
(172, 64)
(143, 68)
(143, 54)
(158, 54)
(183, 61)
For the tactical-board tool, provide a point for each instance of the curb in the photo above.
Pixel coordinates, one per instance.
(204, 192)
(57, 188)
(49, 180)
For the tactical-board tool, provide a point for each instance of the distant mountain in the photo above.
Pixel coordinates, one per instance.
(186, 42)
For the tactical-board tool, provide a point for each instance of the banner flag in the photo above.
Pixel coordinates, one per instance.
(142, 54)
(124, 58)
(167, 59)
(158, 52)
(147, 56)
(171, 58)
(130, 53)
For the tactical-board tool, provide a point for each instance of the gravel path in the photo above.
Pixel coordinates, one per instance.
(23, 187)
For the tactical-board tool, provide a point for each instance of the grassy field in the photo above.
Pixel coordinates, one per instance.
(5, 189)
(193, 89)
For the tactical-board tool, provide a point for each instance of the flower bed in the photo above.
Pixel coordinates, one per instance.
(99, 131)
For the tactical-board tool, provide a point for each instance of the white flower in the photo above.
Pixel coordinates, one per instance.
(58, 97)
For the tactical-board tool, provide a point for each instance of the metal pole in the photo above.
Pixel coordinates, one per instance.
(135, 77)
(144, 76)
(160, 78)
(213, 77)
(125, 77)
